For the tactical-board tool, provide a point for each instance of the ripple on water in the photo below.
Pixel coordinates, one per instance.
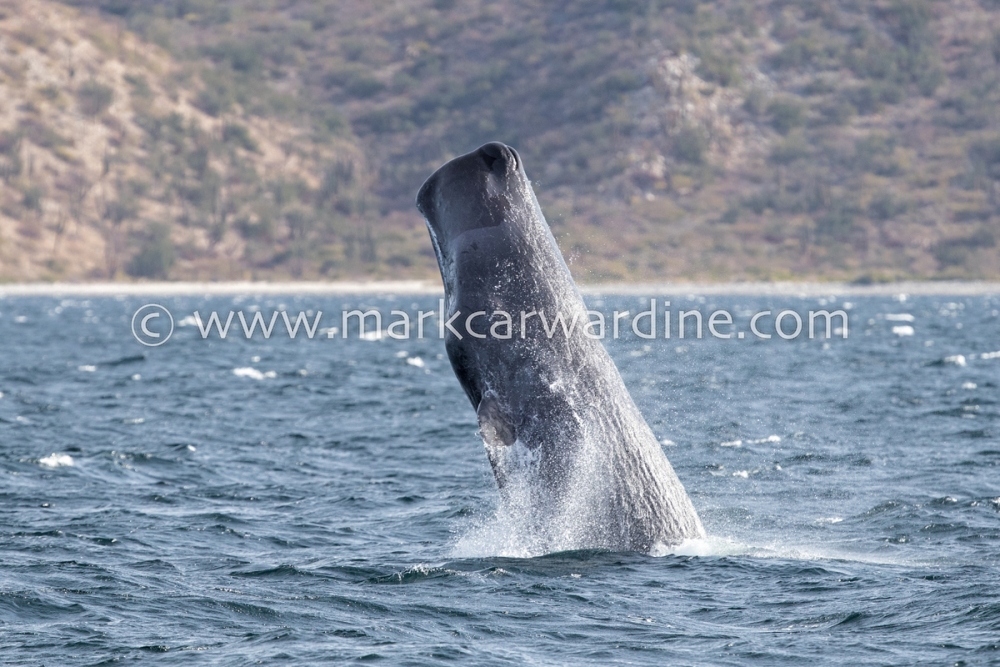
(347, 514)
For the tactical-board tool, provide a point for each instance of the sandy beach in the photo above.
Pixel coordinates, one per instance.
(955, 288)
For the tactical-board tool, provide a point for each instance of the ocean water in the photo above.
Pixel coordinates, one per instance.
(327, 501)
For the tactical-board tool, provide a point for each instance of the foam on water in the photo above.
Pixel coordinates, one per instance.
(56, 460)
(253, 373)
(497, 538)
(716, 546)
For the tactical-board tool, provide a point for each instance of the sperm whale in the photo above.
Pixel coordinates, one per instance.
(551, 405)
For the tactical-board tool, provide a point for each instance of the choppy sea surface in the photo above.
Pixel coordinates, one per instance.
(327, 501)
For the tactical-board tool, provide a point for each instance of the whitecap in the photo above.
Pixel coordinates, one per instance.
(990, 355)
(899, 317)
(415, 361)
(707, 546)
(696, 547)
(86, 369)
(188, 321)
(722, 547)
(969, 385)
(56, 460)
(760, 441)
(253, 373)
(957, 359)
(904, 330)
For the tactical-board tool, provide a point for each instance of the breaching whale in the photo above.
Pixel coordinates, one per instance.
(564, 439)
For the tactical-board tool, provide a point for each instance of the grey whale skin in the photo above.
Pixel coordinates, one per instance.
(592, 463)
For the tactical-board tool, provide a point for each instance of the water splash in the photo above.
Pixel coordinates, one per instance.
(534, 517)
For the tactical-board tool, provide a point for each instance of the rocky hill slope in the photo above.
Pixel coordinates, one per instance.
(667, 139)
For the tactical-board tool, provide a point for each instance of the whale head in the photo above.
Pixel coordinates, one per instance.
(472, 191)
(482, 196)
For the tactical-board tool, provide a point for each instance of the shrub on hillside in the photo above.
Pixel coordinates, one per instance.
(94, 98)
(955, 251)
(235, 133)
(156, 254)
(690, 145)
(786, 114)
(985, 156)
(886, 206)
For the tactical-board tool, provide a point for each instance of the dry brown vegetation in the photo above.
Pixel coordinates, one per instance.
(205, 139)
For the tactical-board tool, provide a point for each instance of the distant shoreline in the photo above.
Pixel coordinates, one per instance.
(388, 287)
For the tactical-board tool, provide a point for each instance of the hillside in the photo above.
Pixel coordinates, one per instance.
(112, 166)
(667, 140)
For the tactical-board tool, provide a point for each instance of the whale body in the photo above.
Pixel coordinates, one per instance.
(565, 441)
